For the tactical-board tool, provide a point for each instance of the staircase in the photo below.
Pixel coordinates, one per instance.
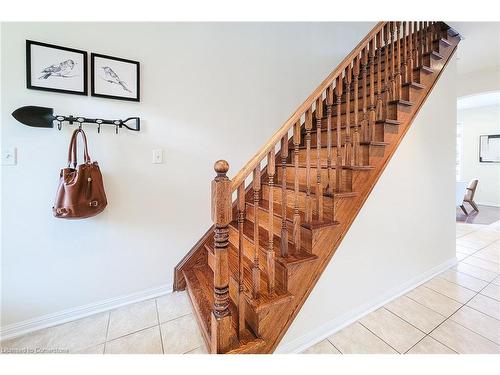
(250, 274)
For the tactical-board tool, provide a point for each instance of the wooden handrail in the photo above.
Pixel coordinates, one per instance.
(244, 172)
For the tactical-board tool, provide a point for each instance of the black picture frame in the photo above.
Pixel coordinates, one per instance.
(487, 136)
(93, 77)
(32, 86)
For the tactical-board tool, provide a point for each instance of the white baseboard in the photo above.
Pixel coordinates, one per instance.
(50, 320)
(335, 325)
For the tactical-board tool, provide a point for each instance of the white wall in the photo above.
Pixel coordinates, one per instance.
(404, 233)
(476, 122)
(209, 91)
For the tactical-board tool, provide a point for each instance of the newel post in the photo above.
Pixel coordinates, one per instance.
(222, 333)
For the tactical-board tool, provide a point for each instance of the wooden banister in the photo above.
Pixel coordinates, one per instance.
(308, 103)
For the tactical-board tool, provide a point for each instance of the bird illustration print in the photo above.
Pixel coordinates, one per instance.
(62, 69)
(111, 77)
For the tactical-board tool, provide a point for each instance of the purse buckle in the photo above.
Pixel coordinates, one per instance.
(93, 203)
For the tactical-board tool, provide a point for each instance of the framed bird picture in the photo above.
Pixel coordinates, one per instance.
(55, 68)
(114, 78)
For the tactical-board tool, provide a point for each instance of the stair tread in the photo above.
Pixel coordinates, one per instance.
(360, 109)
(324, 166)
(343, 125)
(334, 144)
(303, 188)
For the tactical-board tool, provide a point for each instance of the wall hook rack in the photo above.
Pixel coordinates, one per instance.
(43, 117)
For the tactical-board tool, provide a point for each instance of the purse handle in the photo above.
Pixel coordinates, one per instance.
(72, 152)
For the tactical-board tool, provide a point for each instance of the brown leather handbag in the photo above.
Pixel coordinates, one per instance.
(81, 191)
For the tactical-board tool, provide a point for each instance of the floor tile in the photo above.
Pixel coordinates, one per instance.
(98, 349)
(472, 242)
(434, 300)
(173, 305)
(28, 343)
(147, 341)
(478, 322)
(199, 350)
(466, 250)
(82, 333)
(430, 346)
(486, 305)
(474, 271)
(463, 279)
(357, 339)
(461, 256)
(449, 289)
(496, 281)
(68, 337)
(490, 253)
(393, 330)
(181, 335)
(322, 347)
(483, 263)
(132, 318)
(463, 340)
(492, 291)
(414, 313)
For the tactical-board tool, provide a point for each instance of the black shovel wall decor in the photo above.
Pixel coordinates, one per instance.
(43, 117)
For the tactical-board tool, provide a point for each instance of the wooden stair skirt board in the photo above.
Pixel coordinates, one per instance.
(250, 274)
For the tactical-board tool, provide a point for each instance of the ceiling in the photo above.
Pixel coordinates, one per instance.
(480, 48)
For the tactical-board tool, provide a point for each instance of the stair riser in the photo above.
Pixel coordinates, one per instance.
(346, 179)
(305, 234)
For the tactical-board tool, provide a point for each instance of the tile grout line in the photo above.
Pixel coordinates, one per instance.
(107, 331)
(328, 339)
(449, 318)
(159, 327)
(385, 342)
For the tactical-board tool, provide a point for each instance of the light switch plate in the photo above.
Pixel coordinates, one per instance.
(157, 156)
(9, 156)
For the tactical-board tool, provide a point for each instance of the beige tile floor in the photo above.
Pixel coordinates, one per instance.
(161, 325)
(458, 311)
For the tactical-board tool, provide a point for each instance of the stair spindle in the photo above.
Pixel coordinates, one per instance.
(348, 158)
(410, 52)
(255, 265)
(339, 163)
(284, 229)
(271, 170)
(416, 59)
(296, 215)
(241, 220)
(393, 61)
(405, 52)
(421, 44)
(426, 37)
(319, 184)
(371, 108)
(329, 104)
(364, 93)
(387, 84)
(379, 106)
(355, 137)
(308, 127)
(399, 77)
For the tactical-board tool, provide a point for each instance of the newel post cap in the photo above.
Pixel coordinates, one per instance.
(221, 166)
